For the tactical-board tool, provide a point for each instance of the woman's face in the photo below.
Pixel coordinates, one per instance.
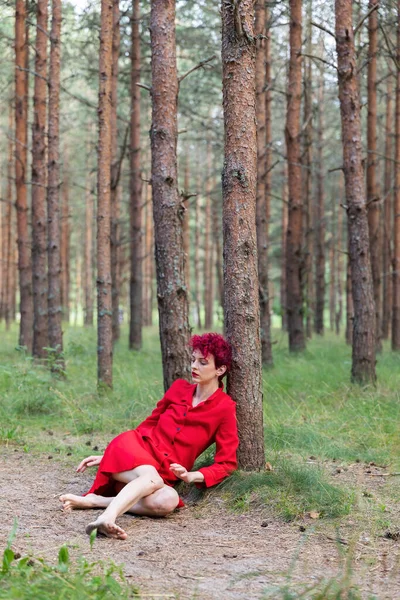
(204, 369)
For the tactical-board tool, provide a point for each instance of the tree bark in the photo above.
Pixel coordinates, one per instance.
(21, 166)
(115, 167)
(186, 215)
(294, 252)
(332, 265)
(167, 207)
(148, 262)
(104, 282)
(363, 356)
(387, 218)
(208, 249)
(283, 248)
(197, 268)
(8, 228)
(53, 189)
(320, 221)
(239, 178)
(65, 241)
(216, 211)
(88, 268)
(373, 200)
(339, 261)
(136, 234)
(263, 116)
(396, 208)
(39, 216)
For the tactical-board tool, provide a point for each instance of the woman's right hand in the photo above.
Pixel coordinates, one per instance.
(90, 461)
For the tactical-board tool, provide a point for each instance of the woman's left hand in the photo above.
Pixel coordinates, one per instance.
(181, 472)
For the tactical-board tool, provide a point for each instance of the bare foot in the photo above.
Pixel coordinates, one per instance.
(71, 501)
(108, 529)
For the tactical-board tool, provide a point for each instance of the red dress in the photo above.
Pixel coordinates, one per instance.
(175, 432)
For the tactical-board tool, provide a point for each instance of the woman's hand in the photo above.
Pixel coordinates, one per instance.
(185, 475)
(90, 461)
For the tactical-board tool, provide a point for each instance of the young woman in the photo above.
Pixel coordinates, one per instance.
(139, 467)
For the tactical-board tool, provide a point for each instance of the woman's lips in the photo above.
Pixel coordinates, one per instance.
(194, 374)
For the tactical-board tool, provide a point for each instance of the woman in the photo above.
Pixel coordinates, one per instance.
(139, 467)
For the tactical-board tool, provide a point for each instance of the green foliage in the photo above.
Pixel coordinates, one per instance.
(29, 578)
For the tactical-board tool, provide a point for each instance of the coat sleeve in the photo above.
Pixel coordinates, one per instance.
(225, 462)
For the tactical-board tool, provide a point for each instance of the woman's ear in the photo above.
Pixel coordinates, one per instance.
(221, 370)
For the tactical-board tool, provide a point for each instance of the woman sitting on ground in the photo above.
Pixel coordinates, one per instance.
(140, 467)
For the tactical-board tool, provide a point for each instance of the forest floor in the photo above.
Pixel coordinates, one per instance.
(206, 550)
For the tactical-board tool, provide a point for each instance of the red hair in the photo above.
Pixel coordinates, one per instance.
(215, 344)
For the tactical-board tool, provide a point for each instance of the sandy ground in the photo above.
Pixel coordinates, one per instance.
(204, 552)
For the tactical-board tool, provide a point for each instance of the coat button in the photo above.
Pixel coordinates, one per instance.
(178, 428)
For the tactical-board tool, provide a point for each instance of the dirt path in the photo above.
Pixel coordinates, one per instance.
(202, 552)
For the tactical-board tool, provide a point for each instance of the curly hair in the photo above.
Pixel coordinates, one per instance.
(215, 344)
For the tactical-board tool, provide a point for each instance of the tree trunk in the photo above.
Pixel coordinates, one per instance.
(363, 358)
(332, 265)
(294, 252)
(349, 301)
(216, 210)
(186, 224)
(208, 249)
(65, 242)
(88, 269)
(8, 227)
(387, 218)
(263, 115)
(197, 269)
(21, 166)
(136, 234)
(168, 211)
(239, 179)
(320, 221)
(339, 261)
(283, 248)
(39, 216)
(307, 172)
(104, 282)
(115, 209)
(373, 200)
(148, 262)
(53, 190)
(396, 207)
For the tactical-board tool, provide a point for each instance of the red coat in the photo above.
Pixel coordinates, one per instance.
(175, 432)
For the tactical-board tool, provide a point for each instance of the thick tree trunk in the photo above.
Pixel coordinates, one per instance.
(39, 216)
(373, 200)
(53, 190)
(168, 213)
(396, 207)
(320, 221)
(283, 248)
(263, 116)
(135, 214)
(208, 286)
(294, 252)
(363, 358)
(148, 262)
(65, 242)
(115, 209)
(88, 268)
(21, 165)
(216, 210)
(239, 178)
(104, 282)
(349, 302)
(307, 171)
(387, 218)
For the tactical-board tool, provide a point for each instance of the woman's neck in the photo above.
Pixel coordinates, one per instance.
(203, 392)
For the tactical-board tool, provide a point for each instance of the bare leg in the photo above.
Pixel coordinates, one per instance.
(140, 482)
(71, 501)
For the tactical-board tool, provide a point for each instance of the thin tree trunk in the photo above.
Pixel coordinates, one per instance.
(320, 221)
(104, 282)
(208, 263)
(373, 200)
(88, 269)
(263, 115)
(283, 248)
(387, 218)
(294, 253)
(197, 269)
(171, 285)
(339, 261)
(363, 357)
(9, 250)
(396, 208)
(332, 265)
(308, 221)
(239, 179)
(186, 224)
(136, 234)
(65, 242)
(39, 216)
(53, 190)
(148, 262)
(21, 166)
(115, 209)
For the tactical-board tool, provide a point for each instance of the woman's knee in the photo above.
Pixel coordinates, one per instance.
(163, 502)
